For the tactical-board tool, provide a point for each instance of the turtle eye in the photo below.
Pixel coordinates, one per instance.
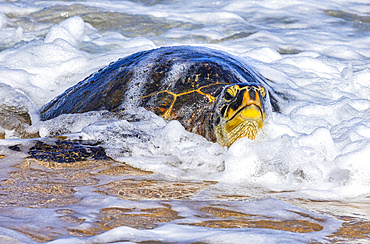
(262, 90)
(230, 93)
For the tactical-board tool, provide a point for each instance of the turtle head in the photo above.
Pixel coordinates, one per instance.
(239, 112)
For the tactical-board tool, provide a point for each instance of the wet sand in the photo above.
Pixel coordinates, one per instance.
(46, 185)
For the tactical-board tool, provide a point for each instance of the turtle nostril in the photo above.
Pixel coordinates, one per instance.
(252, 94)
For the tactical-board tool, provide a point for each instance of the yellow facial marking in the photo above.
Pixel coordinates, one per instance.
(233, 90)
(251, 112)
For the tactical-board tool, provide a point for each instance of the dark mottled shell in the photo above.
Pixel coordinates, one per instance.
(174, 82)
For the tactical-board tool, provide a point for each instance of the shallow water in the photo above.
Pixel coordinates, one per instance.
(304, 178)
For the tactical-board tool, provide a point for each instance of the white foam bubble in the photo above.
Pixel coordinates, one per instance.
(263, 54)
(356, 163)
(16, 110)
(70, 30)
(3, 20)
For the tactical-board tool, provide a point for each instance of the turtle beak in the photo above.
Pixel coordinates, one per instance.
(248, 120)
(243, 115)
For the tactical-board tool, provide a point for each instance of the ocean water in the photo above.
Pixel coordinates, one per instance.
(318, 147)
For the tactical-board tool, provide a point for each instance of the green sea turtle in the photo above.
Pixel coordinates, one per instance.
(210, 92)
